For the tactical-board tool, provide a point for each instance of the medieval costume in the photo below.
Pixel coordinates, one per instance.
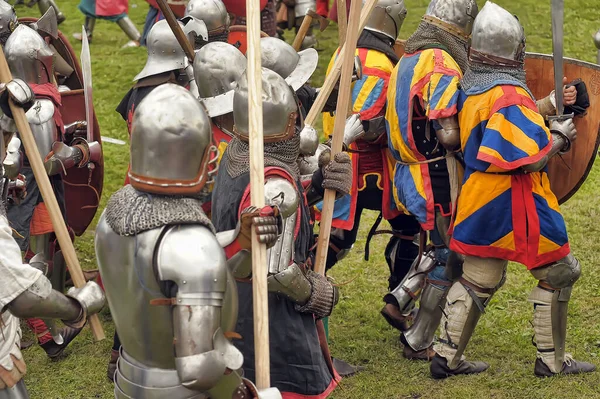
(506, 146)
(24, 290)
(371, 160)
(155, 228)
(298, 297)
(63, 147)
(421, 118)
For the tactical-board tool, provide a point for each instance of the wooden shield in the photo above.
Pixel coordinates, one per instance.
(567, 172)
(83, 187)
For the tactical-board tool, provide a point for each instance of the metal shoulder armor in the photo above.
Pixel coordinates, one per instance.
(191, 258)
(283, 194)
(41, 120)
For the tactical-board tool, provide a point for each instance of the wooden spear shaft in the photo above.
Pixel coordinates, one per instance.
(343, 102)
(334, 74)
(257, 196)
(342, 21)
(41, 178)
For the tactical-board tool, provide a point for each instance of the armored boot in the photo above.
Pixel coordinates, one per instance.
(465, 302)
(550, 326)
(44, 5)
(418, 339)
(131, 31)
(90, 24)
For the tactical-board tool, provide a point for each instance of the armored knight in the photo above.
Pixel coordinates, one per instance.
(372, 165)
(62, 147)
(298, 297)
(172, 275)
(214, 15)
(423, 130)
(25, 292)
(530, 230)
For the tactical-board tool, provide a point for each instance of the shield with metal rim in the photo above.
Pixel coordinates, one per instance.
(83, 186)
(238, 37)
(566, 172)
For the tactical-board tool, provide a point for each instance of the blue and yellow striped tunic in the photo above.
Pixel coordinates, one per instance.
(503, 212)
(428, 80)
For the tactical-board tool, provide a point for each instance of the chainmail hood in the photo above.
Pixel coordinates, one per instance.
(130, 212)
(428, 35)
(283, 154)
(480, 78)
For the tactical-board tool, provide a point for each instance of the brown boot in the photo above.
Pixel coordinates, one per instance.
(426, 354)
(395, 318)
(112, 365)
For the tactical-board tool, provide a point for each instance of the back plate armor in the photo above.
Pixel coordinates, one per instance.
(130, 266)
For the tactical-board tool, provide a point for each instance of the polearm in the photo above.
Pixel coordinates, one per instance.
(185, 44)
(257, 196)
(41, 177)
(334, 74)
(343, 102)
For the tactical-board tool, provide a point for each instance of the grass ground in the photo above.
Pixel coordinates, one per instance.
(358, 333)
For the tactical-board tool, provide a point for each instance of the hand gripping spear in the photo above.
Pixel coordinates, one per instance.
(257, 196)
(41, 177)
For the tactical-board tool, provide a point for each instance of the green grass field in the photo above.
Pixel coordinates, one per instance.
(358, 333)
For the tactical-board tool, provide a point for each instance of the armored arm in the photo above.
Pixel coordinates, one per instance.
(563, 133)
(449, 133)
(547, 105)
(191, 265)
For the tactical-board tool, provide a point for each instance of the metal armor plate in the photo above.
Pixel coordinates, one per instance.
(83, 187)
(567, 172)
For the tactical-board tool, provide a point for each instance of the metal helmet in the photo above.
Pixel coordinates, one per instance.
(387, 17)
(217, 68)
(280, 108)
(164, 51)
(8, 21)
(170, 143)
(295, 67)
(498, 37)
(454, 16)
(213, 13)
(28, 55)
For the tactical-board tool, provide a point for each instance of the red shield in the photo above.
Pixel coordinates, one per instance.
(83, 187)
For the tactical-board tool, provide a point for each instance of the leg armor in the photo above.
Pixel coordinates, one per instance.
(340, 245)
(550, 299)
(408, 291)
(466, 301)
(90, 24)
(44, 5)
(129, 28)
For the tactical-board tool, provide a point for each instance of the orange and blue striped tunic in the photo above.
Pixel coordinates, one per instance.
(423, 88)
(503, 212)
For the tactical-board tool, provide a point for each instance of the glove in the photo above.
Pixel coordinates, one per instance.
(353, 130)
(17, 190)
(266, 222)
(566, 130)
(77, 128)
(91, 299)
(309, 140)
(582, 100)
(337, 174)
(21, 94)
